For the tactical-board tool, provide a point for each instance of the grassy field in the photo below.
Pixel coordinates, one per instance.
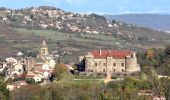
(48, 34)
(57, 36)
(78, 44)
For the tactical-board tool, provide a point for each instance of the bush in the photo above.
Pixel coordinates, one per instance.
(61, 72)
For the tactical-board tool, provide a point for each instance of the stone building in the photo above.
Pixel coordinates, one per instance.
(43, 51)
(121, 61)
(43, 58)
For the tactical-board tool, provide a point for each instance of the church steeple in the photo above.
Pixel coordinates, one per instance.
(43, 50)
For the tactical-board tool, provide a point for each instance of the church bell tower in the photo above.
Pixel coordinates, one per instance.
(44, 49)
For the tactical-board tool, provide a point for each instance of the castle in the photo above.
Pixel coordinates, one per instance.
(116, 61)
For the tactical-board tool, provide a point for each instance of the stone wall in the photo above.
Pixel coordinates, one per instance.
(109, 64)
(29, 63)
(104, 65)
(131, 64)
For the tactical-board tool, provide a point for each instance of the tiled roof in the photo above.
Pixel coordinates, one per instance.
(119, 54)
(38, 65)
(38, 60)
(29, 76)
(42, 70)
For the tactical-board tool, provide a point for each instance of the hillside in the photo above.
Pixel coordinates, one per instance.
(69, 34)
(154, 21)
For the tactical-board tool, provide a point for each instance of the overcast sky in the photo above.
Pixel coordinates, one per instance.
(96, 6)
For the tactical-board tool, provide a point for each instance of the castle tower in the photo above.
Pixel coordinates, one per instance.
(43, 50)
(88, 62)
(131, 63)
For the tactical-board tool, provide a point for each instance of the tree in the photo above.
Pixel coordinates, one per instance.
(59, 68)
(166, 87)
(2, 96)
(3, 90)
(167, 51)
(61, 72)
(143, 76)
(149, 54)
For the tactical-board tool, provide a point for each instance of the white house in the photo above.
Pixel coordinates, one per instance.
(37, 79)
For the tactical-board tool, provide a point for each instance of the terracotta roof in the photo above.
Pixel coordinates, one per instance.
(119, 54)
(29, 76)
(38, 65)
(42, 70)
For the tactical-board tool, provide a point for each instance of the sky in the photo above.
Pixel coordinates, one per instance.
(96, 6)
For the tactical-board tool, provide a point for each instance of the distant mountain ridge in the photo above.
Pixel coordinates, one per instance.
(154, 21)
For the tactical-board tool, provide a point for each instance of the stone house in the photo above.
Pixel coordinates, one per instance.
(112, 61)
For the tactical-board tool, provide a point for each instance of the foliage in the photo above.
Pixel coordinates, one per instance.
(159, 59)
(143, 76)
(59, 68)
(4, 92)
(30, 81)
(149, 54)
(2, 96)
(61, 72)
(87, 77)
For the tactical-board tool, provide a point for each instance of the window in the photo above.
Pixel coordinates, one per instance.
(95, 64)
(91, 71)
(123, 64)
(123, 70)
(114, 64)
(44, 50)
(104, 64)
(114, 70)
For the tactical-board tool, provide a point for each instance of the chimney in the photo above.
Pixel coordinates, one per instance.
(100, 51)
(134, 54)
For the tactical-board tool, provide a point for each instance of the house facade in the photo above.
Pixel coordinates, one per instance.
(112, 61)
